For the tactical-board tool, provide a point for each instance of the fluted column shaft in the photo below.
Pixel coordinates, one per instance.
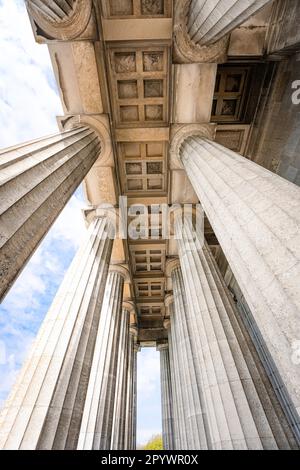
(56, 10)
(45, 407)
(236, 415)
(132, 445)
(166, 398)
(123, 370)
(129, 405)
(211, 20)
(255, 216)
(36, 181)
(97, 420)
(194, 413)
(182, 435)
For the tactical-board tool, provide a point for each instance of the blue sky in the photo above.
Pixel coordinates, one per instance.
(28, 106)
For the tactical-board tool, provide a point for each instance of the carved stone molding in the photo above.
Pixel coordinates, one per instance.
(185, 50)
(91, 213)
(169, 299)
(171, 264)
(162, 345)
(122, 270)
(180, 132)
(100, 124)
(129, 306)
(64, 27)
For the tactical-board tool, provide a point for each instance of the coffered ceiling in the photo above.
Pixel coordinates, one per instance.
(139, 75)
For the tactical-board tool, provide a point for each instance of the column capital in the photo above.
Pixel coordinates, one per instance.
(99, 123)
(162, 345)
(167, 323)
(180, 132)
(91, 213)
(133, 329)
(186, 51)
(171, 264)
(169, 298)
(60, 20)
(129, 306)
(122, 270)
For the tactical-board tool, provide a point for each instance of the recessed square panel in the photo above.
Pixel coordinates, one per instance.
(131, 150)
(127, 89)
(121, 7)
(153, 88)
(153, 61)
(154, 112)
(125, 62)
(156, 310)
(152, 7)
(134, 184)
(229, 107)
(154, 168)
(155, 149)
(233, 82)
(155, 259)
(129, 113)
(133, 168)
(154, 184)
(141, 267)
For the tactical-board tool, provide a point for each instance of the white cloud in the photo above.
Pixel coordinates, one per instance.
(149, 373)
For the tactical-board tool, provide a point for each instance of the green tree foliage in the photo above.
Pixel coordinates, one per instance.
(155, 443)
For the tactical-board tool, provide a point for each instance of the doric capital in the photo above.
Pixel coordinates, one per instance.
(133, 329)
(180, 132)
(188, 52)
(169, 299)
(100, 124)
(171, 264)
(129, 306)
(62, 20)
(91, 213)
(122, 270)
(162, 345)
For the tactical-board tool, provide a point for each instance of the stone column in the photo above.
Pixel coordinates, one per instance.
(45, 407)
(132, 446)
(130, 391)
(166, 396)
(118, 431)
(181, 432)
(169, 304)
(122, 421)
(194, 421)
(233, 393)
(210, 21)
(97, 420)
(37, 180)
(255, 216)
